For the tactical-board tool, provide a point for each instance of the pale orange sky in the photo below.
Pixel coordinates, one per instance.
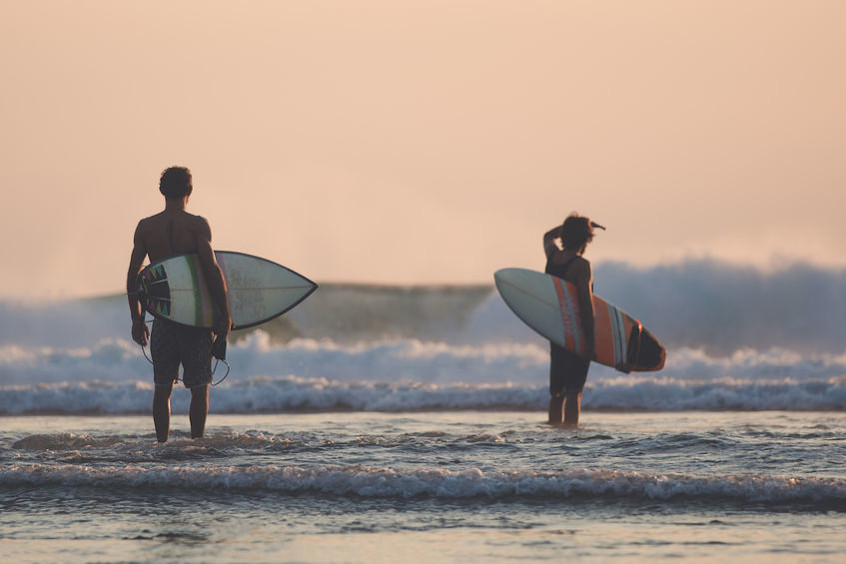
(420, 141)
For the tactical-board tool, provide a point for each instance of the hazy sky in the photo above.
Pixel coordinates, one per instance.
(420, 140)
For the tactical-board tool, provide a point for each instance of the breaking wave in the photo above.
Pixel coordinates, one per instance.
(395, 376)
(367, 482)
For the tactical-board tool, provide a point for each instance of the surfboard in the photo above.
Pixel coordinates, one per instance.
(258, 290)
(550, 306)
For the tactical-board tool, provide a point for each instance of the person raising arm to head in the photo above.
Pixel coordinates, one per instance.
(567, 370)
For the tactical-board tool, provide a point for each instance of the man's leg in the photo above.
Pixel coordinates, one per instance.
(161, 412)
(572, 407)
(557, 382)
(555, 409)
(165, 372)
(198, 411)
(576, 375)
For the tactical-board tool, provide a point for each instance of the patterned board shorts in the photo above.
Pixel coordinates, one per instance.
(172, 344)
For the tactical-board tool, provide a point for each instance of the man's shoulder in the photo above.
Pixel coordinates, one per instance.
(182, 217)
(146, 222)
(581, 264)
(197, 222)
(585, 268)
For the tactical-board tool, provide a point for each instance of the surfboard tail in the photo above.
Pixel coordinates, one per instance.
(649, 355)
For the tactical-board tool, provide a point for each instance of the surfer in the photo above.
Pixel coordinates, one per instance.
(175, 231)
(567, 370)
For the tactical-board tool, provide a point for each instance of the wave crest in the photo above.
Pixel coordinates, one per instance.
(366, 482)
(291, 394)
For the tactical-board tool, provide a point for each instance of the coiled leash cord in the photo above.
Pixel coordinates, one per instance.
(214, 368)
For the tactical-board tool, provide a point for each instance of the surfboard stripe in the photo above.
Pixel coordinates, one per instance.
(192, 270)
(256, 289)
(613, 321)
(559, 293)
(621, 324)
(624, 337)
(573, 310)
(619, 336)
(222, 261)
(602, 327)
(569, 314)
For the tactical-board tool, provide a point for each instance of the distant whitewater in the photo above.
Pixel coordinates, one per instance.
(738, 339)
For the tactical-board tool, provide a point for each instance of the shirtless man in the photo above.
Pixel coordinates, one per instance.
(567, 370)
(175, 231)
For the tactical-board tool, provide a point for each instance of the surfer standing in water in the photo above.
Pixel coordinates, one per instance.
(567, 370)
(171, 232)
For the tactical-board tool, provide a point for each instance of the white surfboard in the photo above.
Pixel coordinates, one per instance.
(550, 306)
(174, 288)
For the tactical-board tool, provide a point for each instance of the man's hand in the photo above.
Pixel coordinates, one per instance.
(223, 327)
(140, 332)
(220, 333)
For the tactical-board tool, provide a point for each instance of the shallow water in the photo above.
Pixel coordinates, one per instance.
(445, 486)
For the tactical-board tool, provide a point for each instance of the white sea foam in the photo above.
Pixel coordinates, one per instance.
(117, 360)
(114, 377)
(260, 394)
(436, 483)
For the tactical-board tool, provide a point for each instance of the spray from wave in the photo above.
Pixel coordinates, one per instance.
(698, 304)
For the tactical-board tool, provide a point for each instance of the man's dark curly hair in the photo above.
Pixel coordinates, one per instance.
(175, 183)
(576, 232)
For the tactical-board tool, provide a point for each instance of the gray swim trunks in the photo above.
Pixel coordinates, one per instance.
(172, 344)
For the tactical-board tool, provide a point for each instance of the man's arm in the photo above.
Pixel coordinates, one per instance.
(214, 276)
(140, 332)
(584, 282)
(549, 238)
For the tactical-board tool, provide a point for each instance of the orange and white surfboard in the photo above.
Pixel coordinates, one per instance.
(550, 306)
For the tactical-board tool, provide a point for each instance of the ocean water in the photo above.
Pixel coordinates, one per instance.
(377, 424)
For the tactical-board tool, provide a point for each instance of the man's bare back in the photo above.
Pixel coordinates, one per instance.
(172, 233)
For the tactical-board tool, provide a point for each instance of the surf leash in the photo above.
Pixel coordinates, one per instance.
(214, 370)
